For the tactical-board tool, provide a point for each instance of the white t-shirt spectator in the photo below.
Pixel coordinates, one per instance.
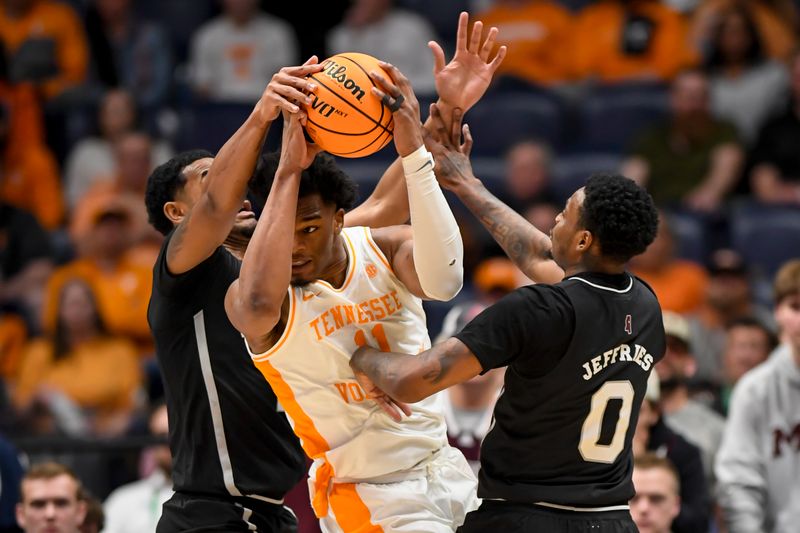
(235, 63)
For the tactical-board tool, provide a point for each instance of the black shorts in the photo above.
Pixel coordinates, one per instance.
(500, 516)
(196, 513)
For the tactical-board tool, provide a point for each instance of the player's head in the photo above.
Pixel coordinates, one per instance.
(326, 192)
(174, 187)
(50, 500)
(657, 501)
(608, 221)
(787, 302)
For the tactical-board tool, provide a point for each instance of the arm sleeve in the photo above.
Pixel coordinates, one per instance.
(531, 327)
(438, 250)
(741, 477)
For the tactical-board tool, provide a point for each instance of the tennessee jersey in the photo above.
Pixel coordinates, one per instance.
(349, 437)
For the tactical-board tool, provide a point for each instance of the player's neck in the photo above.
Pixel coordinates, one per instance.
(595, 264)
(336, 271)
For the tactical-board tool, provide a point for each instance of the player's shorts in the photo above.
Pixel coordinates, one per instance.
(496, 516)
(198, 513)
(434, 497)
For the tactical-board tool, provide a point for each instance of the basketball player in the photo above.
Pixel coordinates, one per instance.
(305, 303)
(234, 456)
(579, 352)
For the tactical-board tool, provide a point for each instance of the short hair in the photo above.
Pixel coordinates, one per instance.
(753, 322)
(49, 470)
(620, 214)
(787, 281)
(322, 177)
(650, 461)
(164, 183)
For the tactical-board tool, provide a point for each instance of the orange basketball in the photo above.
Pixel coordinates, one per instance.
(344, 117)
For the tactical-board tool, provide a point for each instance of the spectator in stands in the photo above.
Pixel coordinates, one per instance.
(728, 296)
(626, 40)
(694, 421)
(528, 174)
(693, 158)
(657, 501)
(136, 507)
(654, 436)
(758, 461)
(80, 364)
(46, 44)
(748, 343)
(399, 37)
(745, 86)
(679, 284)
(121, 284)
(537, 34)
(542, 214)
(26, 125)
(234, 56)
(775, 21)
(129, 52)
(775, 177)
(50, 500)
(13, 336)
(25, 261)
(11, 472)
(30, 178)
(93, 159)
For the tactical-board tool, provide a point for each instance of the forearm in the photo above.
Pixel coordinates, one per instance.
(388, 371)
(525, 245)
(438, 249)
(725, 166)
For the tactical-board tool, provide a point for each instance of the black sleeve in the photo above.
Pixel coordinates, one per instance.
(530, 328)
(166, 282)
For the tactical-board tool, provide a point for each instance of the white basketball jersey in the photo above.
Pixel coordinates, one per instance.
(309, 368)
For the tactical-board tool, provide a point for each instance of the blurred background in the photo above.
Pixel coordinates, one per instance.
(698, 100)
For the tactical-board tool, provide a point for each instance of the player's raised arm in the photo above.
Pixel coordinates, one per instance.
(428, 256)
(525, 245)
(206, 226)
(254, 301)
(459, 84)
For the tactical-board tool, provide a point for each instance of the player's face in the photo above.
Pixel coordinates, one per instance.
(656, 503)
(50, 506)
(316, 231)
(196, 185)
(566, 234)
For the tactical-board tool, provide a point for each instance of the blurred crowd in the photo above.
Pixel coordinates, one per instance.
(699, 100)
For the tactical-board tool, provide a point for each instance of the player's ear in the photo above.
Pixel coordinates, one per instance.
(338, 221)
(585, 240)
(174, 211)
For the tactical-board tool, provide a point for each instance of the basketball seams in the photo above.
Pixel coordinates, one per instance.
(356, 63)
(340, 97)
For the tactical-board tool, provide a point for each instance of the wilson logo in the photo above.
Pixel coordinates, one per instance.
(338, 73)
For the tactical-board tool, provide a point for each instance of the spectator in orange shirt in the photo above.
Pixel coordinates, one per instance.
(122, 285)
(680, 285)
(80, 364)
(775, 21)
(623, 40)
(537, 35)
(29, 177)
(46, 44)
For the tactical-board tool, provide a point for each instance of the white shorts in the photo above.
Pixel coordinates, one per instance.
(434, 499)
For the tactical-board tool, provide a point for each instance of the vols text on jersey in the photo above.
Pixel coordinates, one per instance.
(621, 353)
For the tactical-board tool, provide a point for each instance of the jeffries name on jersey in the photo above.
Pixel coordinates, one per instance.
(622, 353)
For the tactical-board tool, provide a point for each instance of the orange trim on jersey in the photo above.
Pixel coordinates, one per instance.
(313, 443)
(377, 250)
(351, 267)
(352, 514)
(263, 356)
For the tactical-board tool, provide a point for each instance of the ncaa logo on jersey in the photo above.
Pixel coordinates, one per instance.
(371, 270)
(628, 326)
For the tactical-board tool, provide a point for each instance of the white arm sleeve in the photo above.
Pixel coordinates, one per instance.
(438, 251)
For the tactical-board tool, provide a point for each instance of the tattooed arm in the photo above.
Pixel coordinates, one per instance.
(411, 378)
(525, 245)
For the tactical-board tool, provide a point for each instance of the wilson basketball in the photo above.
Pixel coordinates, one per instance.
(344, 117)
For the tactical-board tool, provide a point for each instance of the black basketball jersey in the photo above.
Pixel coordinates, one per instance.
(579, 354)
(226, 434)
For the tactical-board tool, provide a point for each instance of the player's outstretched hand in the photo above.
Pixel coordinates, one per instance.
(396, 94)
(297, 153)
(390, 406)
(463, 81)
(288, 88)
(453, 168)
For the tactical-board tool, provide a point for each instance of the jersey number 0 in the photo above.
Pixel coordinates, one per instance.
(590, 447)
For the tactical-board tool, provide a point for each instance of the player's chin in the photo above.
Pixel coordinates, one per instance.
(245, 226)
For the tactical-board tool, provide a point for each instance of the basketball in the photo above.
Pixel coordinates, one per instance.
(344, 117)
